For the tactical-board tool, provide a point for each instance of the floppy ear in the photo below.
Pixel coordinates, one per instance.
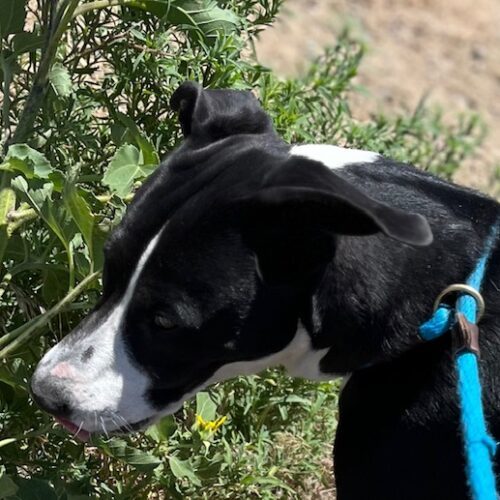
(215, 114)
(292, 220)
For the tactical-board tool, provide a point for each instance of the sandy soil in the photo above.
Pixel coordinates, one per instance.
(446, 50)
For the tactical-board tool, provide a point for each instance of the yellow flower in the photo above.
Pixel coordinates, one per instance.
(209, 425)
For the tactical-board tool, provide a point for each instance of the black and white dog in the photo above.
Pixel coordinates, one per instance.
(242, 252)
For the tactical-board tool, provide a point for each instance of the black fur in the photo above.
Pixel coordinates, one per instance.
(365, 297)
(332, 251)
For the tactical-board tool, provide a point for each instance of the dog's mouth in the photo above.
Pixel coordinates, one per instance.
(77, 431)
(83, 435)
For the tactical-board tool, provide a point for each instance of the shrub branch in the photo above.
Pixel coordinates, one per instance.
(21, 335)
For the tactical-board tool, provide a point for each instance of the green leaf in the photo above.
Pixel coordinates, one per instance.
(58, 180)
(99, 239)
(80, 212)
(41, 195)
(118, 133)
(149, 154)
(163, 429)
(141, 460)
(7, 486)
(83, 262)
(54, 285)
(205, 407)
(208, 17)
(182, 469)
(7, 204)
(293, 398)
(124, 169)
(60, 80)
(27, 42)
(35, 489)
(8, 67)
(14, 376)
(201, 17)
(147, 170)
(20, 184)
(37, 197)
(29, 161)
(271, 481)
(13, 13)
(40, 200)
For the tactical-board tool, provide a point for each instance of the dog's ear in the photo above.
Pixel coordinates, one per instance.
(291, 222)
(215, 114)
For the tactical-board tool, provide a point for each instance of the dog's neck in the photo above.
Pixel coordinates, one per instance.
(375, 292)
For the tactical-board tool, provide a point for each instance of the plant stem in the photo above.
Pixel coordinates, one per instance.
(7, 77)
(39, 432)
(21, 335)
(71, 267)
(5, 282)
(4, 238)
(40, 84)
(5, 177)
(97, 5)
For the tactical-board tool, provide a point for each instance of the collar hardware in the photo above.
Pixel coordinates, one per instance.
(465, 336)
(462, 289)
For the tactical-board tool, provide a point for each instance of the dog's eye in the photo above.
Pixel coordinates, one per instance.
(164, 322)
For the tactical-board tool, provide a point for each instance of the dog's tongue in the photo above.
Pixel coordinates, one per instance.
(80, 434)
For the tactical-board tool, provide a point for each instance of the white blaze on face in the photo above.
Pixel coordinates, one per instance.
(108, 386)
(333, 156)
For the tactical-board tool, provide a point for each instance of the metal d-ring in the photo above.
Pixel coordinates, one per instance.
(462, 288)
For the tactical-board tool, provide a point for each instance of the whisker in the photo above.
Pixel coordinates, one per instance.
(114, 421)
(120, 425)
(104, 427)
(126, 423)
(78, 430)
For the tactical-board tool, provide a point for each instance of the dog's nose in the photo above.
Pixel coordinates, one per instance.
(50, 395)
(63, 370)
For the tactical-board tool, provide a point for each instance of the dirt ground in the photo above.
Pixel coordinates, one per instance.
(446, 50)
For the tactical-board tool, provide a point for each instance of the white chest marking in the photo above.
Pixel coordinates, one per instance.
(299, 359)
(333, 156)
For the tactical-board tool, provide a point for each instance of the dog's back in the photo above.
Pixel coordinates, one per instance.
(399, 418)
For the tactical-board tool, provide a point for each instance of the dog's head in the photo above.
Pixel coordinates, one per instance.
(208, 273)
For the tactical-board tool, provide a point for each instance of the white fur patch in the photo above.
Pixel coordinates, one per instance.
(302, 360)
(109, 384)
(109, 391)
(116, 384)
(298, 358)
(333, 156)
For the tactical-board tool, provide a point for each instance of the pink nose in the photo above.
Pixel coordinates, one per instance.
(63, 370)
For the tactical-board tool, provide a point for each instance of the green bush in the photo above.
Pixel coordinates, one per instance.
(84, 120)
